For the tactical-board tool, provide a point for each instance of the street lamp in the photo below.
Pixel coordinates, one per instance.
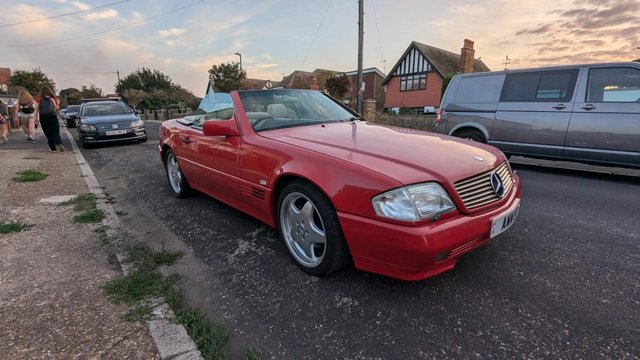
(237, 53)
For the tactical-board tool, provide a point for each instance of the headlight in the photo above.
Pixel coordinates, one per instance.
(137, 123)
(413, 203)
(85, 127)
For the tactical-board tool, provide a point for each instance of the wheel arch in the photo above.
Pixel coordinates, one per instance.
(281, 182)
(470, 126)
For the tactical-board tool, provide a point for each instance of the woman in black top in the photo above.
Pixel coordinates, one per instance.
(48, 115)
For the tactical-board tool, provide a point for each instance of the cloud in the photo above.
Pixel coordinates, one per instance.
(542, 29)
(585, 31)
(81, 5)
(172, 32)
(99, 15)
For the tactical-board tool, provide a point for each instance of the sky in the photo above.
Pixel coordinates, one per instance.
(183, 39)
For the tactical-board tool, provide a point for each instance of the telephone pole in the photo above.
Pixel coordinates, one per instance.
(360, 41)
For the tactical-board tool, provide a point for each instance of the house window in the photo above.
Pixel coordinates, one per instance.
(413, 82)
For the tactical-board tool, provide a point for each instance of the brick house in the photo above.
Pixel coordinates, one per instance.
(373, 85)
(415, 81)
(5, 74)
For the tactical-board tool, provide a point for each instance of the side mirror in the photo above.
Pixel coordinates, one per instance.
(138, 112)
(220, 128)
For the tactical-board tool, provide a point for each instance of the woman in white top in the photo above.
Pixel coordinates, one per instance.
(26, 109)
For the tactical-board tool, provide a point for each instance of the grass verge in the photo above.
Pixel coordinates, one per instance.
(142, 287)
(86, 205)
(30, 176)
(13, 226)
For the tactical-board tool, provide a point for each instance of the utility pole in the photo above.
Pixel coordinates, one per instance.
(360, 41)
(118, 73)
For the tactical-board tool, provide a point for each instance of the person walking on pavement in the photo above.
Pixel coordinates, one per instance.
(48, 115)
(4, 122)
(26, 113)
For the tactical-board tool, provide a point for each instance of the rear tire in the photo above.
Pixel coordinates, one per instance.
(471, 134)
(309, 226)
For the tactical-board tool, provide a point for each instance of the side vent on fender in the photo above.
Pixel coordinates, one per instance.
(258, 193)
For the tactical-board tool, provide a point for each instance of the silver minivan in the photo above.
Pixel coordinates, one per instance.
(588, 113)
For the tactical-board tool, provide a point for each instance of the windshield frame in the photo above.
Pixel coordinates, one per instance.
(287, 108)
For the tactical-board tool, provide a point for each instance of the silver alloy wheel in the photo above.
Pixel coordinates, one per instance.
(302, 229)
(175, 176)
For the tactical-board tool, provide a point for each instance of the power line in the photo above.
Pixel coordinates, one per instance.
(61, 15)
(375, 17)
(316, 35)
(105, 31)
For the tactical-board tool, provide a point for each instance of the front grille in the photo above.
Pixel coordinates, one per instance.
(122, 125)
(477, 191)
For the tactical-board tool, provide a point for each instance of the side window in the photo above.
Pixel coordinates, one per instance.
(614, 85)
(479, 89)
(541, 86)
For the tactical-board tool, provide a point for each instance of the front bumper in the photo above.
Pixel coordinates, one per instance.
(419, 252)
(91, 137)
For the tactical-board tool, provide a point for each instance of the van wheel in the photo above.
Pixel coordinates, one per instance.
(470, 134)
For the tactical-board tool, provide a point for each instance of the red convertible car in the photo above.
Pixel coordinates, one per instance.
(402, 203)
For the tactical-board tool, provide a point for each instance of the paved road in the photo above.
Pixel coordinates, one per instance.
(561, 283)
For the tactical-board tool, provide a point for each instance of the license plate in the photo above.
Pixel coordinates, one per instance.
(504, 221)
(116, 132)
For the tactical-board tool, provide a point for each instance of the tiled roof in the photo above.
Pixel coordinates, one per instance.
(445, 61)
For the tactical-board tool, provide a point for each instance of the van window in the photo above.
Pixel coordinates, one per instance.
(614, 85)
(540, 86)
(479, 89)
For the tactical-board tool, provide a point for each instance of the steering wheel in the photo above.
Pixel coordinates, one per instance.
(256, 123)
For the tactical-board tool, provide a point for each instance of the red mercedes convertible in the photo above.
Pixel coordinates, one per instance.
(402, 203)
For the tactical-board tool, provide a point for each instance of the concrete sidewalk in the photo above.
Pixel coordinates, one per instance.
(51, 301)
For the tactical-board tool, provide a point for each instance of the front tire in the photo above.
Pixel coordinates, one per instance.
(471, 134)
(310, 229)
(177, 181)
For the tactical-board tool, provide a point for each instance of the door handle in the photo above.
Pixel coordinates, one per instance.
(186, 140)
(560, 107)
(588, 107)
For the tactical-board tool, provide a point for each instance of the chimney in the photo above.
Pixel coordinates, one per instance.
(466, 57)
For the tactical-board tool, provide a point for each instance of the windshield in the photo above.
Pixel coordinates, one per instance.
(73, 108)
(276, 109)
(102, 109)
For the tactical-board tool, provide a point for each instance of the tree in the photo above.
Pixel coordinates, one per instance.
(70, 96)
(134, 97)
(338, 86)
(227, 77)
(146, 80)
(32, 80)
(160, 90)
(91, 92)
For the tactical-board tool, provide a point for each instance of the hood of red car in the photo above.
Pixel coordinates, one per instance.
(408, 156)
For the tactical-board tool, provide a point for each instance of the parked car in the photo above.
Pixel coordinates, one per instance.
(401, 203)
(588, 113)
(108, 120)
(71, 115)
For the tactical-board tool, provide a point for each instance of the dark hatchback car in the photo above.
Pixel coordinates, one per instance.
(70, 115)
(106, 121)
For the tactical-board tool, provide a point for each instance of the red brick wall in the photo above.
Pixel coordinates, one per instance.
(417, 98)
(369, 88)
(5, 74)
